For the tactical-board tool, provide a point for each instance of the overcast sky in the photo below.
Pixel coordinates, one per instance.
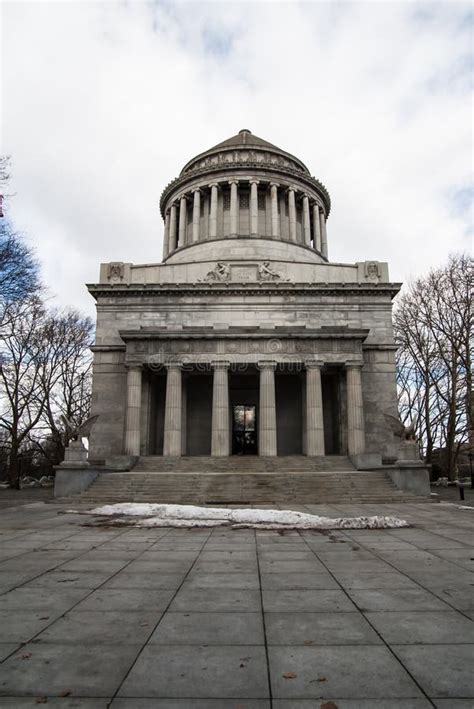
(103, 103)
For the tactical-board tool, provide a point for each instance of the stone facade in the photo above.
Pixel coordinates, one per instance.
(244, 311)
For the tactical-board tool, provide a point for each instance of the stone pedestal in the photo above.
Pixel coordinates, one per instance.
(314, 409)
(132, 414)
(75, 456)
(173, 411)
(220, 442)
(267, 427)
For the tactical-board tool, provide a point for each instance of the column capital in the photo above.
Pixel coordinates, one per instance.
(353, 364)
(233, 182)
(224, 364)
(266, 364)
(183, 196)
(305, 195)
(314, 364)
(291, 189)
(131, 366)
(274, 184)
(254, 181)
(173, 365)
(196, 189)
(213, 184)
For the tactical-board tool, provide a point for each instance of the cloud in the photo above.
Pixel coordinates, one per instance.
(104, 103)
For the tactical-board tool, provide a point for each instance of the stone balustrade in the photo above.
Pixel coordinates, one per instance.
(250, 207)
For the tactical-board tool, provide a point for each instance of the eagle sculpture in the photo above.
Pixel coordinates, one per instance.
(405, 433)
(74, 432)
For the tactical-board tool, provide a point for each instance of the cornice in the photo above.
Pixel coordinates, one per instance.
(237, 333)
(159, 290)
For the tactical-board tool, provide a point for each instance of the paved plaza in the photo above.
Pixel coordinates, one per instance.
(97, 617)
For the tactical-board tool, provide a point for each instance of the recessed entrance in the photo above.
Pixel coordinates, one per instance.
(244, 430)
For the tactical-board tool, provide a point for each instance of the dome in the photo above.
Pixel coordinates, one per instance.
(244, 140)
(245, 188)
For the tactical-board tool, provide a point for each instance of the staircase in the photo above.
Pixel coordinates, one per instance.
(243, 464)
(244, 481)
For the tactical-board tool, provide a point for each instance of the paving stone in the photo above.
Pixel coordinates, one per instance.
(461, 597)
(424, 627)
(162, 567)
(101, 565)
(158, 703)
(226, 567)
(337, 671)
(42, 599)
(42, 669)
(353, 703)
(69, 579)
(298, 581)
(400, 599)
(197, 672)
(146, 580)
(126, 599)
(319, 629)
(92, 627)
(441, 670)
(374, 581)
(20, 627)
(209, 629)
(6, 649)
(312, 566)
(198, 579)
(306, 601)
(215, 600)
(63, 702)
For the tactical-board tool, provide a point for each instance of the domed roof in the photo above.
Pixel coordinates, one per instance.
(244, 140)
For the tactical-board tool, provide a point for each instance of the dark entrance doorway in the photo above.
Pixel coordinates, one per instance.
(244, 430)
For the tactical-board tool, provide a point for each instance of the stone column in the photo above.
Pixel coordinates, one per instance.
(213, 212)
(220, 442)
(292, 213)
(274, 202)
(182, 220)
(196, 214)
(234, 227)
(316, 228)
(314, 409)
(306, 221)
(324, 238)
(166, 236)
(267, 433)
(132, 414)
(173, 239)
(355, 409)
(173, 410)
(253, 207)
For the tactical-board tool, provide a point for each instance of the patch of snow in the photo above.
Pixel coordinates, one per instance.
(465, 507)
(157, 515)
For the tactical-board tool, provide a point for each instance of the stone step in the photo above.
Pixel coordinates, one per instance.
(351, 487)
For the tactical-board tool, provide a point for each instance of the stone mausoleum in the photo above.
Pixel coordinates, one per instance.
(245, 339)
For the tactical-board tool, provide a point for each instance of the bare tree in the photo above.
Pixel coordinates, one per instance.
(70, 395)
(19, 270)
(434, 329)
(24, 371)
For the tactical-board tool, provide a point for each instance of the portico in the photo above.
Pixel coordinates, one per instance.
(185, 404)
